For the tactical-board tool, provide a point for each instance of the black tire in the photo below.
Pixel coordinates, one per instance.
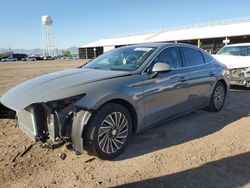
(217, 98)
(99, 134)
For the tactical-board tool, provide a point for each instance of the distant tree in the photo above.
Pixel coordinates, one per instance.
(5, 55)
(66, 53)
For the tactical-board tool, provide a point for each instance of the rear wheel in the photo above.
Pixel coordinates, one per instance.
(108, 131)
(218, 98)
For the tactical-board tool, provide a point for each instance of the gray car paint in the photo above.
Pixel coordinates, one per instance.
(54, 86)
(153, 99)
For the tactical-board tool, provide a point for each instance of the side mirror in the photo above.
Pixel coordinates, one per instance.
(161, 67)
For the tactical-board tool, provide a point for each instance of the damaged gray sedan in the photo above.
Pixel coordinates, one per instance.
(98, 106)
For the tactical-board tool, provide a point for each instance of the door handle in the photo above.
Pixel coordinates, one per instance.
(211, 73)
(183, 78)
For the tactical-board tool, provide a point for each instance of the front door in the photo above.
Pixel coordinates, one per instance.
(166, 94)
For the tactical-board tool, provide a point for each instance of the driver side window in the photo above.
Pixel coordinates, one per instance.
(169, 56)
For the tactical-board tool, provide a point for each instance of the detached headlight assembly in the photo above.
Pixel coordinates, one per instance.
(62, 103)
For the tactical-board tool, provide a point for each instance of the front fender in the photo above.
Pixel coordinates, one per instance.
(100, 93)
(93, 105)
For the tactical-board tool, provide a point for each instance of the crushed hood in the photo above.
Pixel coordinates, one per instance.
(54, 86)
(233, 62)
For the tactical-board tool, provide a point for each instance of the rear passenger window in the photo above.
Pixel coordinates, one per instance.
(207, 57)
(192, 56)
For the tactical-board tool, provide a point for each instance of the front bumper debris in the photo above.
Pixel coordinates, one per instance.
(44, 126)
(240, 77)
(80, 120)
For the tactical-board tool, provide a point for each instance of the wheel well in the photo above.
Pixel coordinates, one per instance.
(224, 83)
(130, 109)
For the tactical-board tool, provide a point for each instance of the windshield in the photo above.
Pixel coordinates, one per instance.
(235, 50)
(124, 59)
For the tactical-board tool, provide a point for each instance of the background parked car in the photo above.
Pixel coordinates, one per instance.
(48, 58)
(19, 56)
(237, 59)
(9, 59)
(32, 58)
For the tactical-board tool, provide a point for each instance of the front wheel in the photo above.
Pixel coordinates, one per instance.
(217, 98)
(108, 131)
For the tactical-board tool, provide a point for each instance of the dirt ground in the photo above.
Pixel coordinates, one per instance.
(199, 150)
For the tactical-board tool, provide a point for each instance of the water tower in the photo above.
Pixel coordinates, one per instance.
(48, 45)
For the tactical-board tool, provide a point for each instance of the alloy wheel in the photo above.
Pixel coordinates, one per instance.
(113, 132)
(219, 96)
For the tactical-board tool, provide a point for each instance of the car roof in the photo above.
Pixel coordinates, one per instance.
(160, 44)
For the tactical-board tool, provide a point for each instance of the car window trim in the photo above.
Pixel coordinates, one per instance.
(182, 59)
(152, 60)
(205, 53)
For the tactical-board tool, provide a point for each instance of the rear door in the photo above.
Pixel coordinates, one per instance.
(201, 76)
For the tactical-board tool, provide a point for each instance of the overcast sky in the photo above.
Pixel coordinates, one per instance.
(77, 22)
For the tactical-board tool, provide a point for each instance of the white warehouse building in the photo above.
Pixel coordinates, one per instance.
(209, 36)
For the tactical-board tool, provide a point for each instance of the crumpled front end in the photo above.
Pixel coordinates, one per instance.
(47, 106)
(39, 122)
(55, 121)
(240, 76)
